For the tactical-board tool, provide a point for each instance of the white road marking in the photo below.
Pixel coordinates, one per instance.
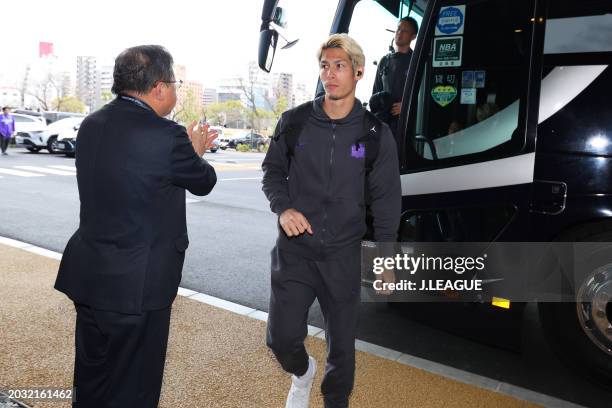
(46, 170)
(240, 178)
(13, 172)
(60, 167)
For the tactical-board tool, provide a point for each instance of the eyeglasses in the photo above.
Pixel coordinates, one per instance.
(176, 83)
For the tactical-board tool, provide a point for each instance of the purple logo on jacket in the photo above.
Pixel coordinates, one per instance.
(358, 151)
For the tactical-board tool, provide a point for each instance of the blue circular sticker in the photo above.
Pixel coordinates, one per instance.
(450, 20)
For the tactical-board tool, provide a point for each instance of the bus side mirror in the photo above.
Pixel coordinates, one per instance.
(273, 24)
(267, 48)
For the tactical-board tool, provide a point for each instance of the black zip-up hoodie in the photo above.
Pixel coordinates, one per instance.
(326, 181)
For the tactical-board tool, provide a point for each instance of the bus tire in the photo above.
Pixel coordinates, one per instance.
(580, 332)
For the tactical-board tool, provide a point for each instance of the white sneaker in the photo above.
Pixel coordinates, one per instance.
(299, 394)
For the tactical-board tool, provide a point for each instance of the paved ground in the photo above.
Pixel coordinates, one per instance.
(215, 358)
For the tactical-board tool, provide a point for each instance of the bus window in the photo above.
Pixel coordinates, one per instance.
(575, 78)
(579, 34)
(473, 84)
(373, 27)
(578, 27)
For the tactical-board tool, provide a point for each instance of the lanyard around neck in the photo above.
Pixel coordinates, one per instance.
(136, 102)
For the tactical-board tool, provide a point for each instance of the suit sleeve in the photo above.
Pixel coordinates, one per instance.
(385, 189)
(189, 171)
(275, 168)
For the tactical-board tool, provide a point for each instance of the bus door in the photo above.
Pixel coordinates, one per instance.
(468, 152)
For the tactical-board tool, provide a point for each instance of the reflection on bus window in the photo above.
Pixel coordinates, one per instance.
(579, 34)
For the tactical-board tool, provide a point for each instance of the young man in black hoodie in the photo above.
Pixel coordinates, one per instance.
(317, 186)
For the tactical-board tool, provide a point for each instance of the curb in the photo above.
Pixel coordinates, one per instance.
(363, 346)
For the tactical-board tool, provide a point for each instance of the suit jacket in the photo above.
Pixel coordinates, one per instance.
(133, 168)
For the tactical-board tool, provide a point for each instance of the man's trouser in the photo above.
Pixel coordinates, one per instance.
(296, 282)
(119, 358)
(4, 142)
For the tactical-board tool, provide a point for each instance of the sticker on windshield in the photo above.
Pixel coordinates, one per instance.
(444, 95)
(451, 20)
(468, 96)
(480, 79)
(467, 79)
(448, 52)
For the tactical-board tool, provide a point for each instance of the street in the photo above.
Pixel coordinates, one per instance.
(231, 234)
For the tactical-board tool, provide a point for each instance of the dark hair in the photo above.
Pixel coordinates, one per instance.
(412, 22)
(138, 68)
(5, 108)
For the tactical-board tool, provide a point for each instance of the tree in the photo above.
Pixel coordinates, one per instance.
(281, 106)
(257, 114)
(49, 86)
(229, 113)
(106, 96)
(68, 104)
(187, 109)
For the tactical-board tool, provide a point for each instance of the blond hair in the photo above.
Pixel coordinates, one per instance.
(346, 43)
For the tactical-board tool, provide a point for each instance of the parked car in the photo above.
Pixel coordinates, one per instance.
(52, 116)
(36, 114)
(249, 138)
(66, 140)
(47, 138)
(28, 127)
(217, 143)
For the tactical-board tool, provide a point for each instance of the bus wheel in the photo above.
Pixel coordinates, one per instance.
(580, 332)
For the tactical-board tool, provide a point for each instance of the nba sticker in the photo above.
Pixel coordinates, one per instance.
(447, 52)
(443, 95)
(451, 20)
(358, 151)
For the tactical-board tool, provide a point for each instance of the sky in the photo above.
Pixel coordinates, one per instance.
(214, 39)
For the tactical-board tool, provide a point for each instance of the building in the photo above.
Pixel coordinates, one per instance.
(190, 92)
(302, 94)
(282, 87)
(10, 97)
(209, 96)
(88, 82)
(230, 90)
(106, 82)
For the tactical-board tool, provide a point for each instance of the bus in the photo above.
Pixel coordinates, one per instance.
(505, 135)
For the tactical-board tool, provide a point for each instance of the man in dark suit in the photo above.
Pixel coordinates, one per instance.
(122, 267)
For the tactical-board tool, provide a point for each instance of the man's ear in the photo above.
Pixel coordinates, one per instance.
(157, 91)
(359, 73)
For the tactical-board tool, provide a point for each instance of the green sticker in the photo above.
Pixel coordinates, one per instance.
(443, 95)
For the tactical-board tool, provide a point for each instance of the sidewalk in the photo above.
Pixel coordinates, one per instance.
(215, 358)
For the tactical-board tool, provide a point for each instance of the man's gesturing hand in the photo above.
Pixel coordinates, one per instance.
(201, 138)
(294, 223)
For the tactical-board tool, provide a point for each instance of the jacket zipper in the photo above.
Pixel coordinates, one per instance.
(331, 153)
(329, 183)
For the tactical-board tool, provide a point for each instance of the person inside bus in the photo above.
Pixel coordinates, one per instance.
(393, 68)
(454, 127)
